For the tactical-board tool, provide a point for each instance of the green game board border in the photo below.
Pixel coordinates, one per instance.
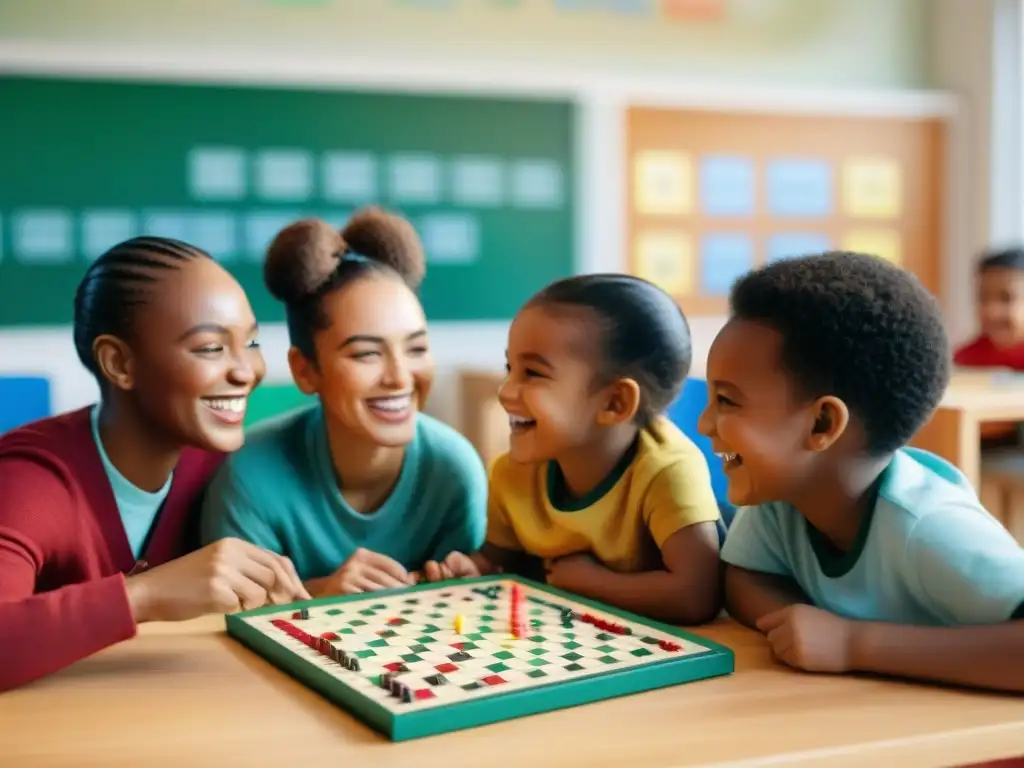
(719, 660)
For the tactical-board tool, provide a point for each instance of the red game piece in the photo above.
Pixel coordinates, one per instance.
(515, 612)
(669, 646)
(329, 636)
(493, 680)
(446, 667)
(423, 694)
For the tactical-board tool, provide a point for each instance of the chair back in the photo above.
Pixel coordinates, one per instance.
(23, 399)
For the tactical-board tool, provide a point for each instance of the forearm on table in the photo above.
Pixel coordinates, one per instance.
(661, 595)
(44, 633)
(749, 595)
(976, 656)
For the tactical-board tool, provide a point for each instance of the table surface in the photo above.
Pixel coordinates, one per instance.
(187, 691)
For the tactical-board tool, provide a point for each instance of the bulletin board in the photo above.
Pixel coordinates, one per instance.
(714, 194)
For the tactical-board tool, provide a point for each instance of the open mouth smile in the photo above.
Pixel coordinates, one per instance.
(730, 460)
(520, 424)
(392, 408)
(230, 410)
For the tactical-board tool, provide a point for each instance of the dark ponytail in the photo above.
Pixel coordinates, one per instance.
(644, 333)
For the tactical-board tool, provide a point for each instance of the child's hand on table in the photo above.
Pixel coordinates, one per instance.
(809, 638)
(456, 566)
(364, 571)
(226, 576)
(570, 571)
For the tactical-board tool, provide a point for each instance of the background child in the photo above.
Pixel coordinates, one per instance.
(1000, 342)
(359, 489)
(1000, 308)
(611, 497)
(99, 506)
(854, 553)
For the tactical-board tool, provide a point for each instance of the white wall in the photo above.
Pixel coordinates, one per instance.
(827, 55)
(977, 54)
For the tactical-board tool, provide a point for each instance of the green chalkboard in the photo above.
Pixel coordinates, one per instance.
(488, 182)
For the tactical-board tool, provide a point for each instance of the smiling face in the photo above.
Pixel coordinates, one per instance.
(194, 358)
(549, 393)
(373, 369)
(759, 427)
(1001, 305)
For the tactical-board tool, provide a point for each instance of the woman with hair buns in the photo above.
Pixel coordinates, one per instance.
(360, 490)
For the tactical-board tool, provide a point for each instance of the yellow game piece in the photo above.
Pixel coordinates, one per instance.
(459, 624)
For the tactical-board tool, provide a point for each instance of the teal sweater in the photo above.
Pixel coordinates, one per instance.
(279, 492)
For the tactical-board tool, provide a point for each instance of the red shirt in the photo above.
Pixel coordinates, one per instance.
(64, 552)
(982, 353)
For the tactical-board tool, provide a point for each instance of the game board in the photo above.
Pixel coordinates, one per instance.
(441, 657)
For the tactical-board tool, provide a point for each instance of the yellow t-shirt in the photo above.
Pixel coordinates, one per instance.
(661, 486)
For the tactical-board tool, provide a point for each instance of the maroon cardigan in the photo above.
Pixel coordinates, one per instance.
(64, 553)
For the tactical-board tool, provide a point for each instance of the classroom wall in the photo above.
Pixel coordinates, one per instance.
(825, 45)
(867, 43)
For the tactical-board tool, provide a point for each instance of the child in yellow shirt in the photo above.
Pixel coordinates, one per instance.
(598, 487)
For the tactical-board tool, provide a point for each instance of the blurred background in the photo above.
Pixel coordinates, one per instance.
(683, 140)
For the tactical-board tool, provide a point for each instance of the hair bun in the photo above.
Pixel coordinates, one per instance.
(388, 239)
(301, 258)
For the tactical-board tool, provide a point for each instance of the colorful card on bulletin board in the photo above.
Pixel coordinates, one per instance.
(724, 258)
(727, 185)
(663, 183)
(693, 10)
(872, 188)
(799, 188)
(884, 243)
(795, 244)
(666, 259)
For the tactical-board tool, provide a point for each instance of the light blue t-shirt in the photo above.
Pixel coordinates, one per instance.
(929, 554)
(280, 492)
(138, 507)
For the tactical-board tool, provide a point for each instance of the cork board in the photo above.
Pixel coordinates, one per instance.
(714, 194)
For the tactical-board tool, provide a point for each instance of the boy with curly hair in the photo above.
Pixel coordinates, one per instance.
(854, 552)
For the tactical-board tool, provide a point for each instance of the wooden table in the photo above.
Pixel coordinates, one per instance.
(187, 694)
(954, 432)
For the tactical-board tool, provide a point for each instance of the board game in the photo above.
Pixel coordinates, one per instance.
(441, 657)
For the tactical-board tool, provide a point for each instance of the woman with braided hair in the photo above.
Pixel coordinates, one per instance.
(98, 506)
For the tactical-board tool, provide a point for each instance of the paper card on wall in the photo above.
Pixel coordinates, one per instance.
(872, 188)
(799, 187)
(105, 228)
(788, 245)
(727, 185)
(724, 258)
(43, 236)
(632, 7)
(663, 181)
(883, 243)
(693, 10)
(666, 259)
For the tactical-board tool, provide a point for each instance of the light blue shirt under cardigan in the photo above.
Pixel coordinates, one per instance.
(280, 492)
(138, 507)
